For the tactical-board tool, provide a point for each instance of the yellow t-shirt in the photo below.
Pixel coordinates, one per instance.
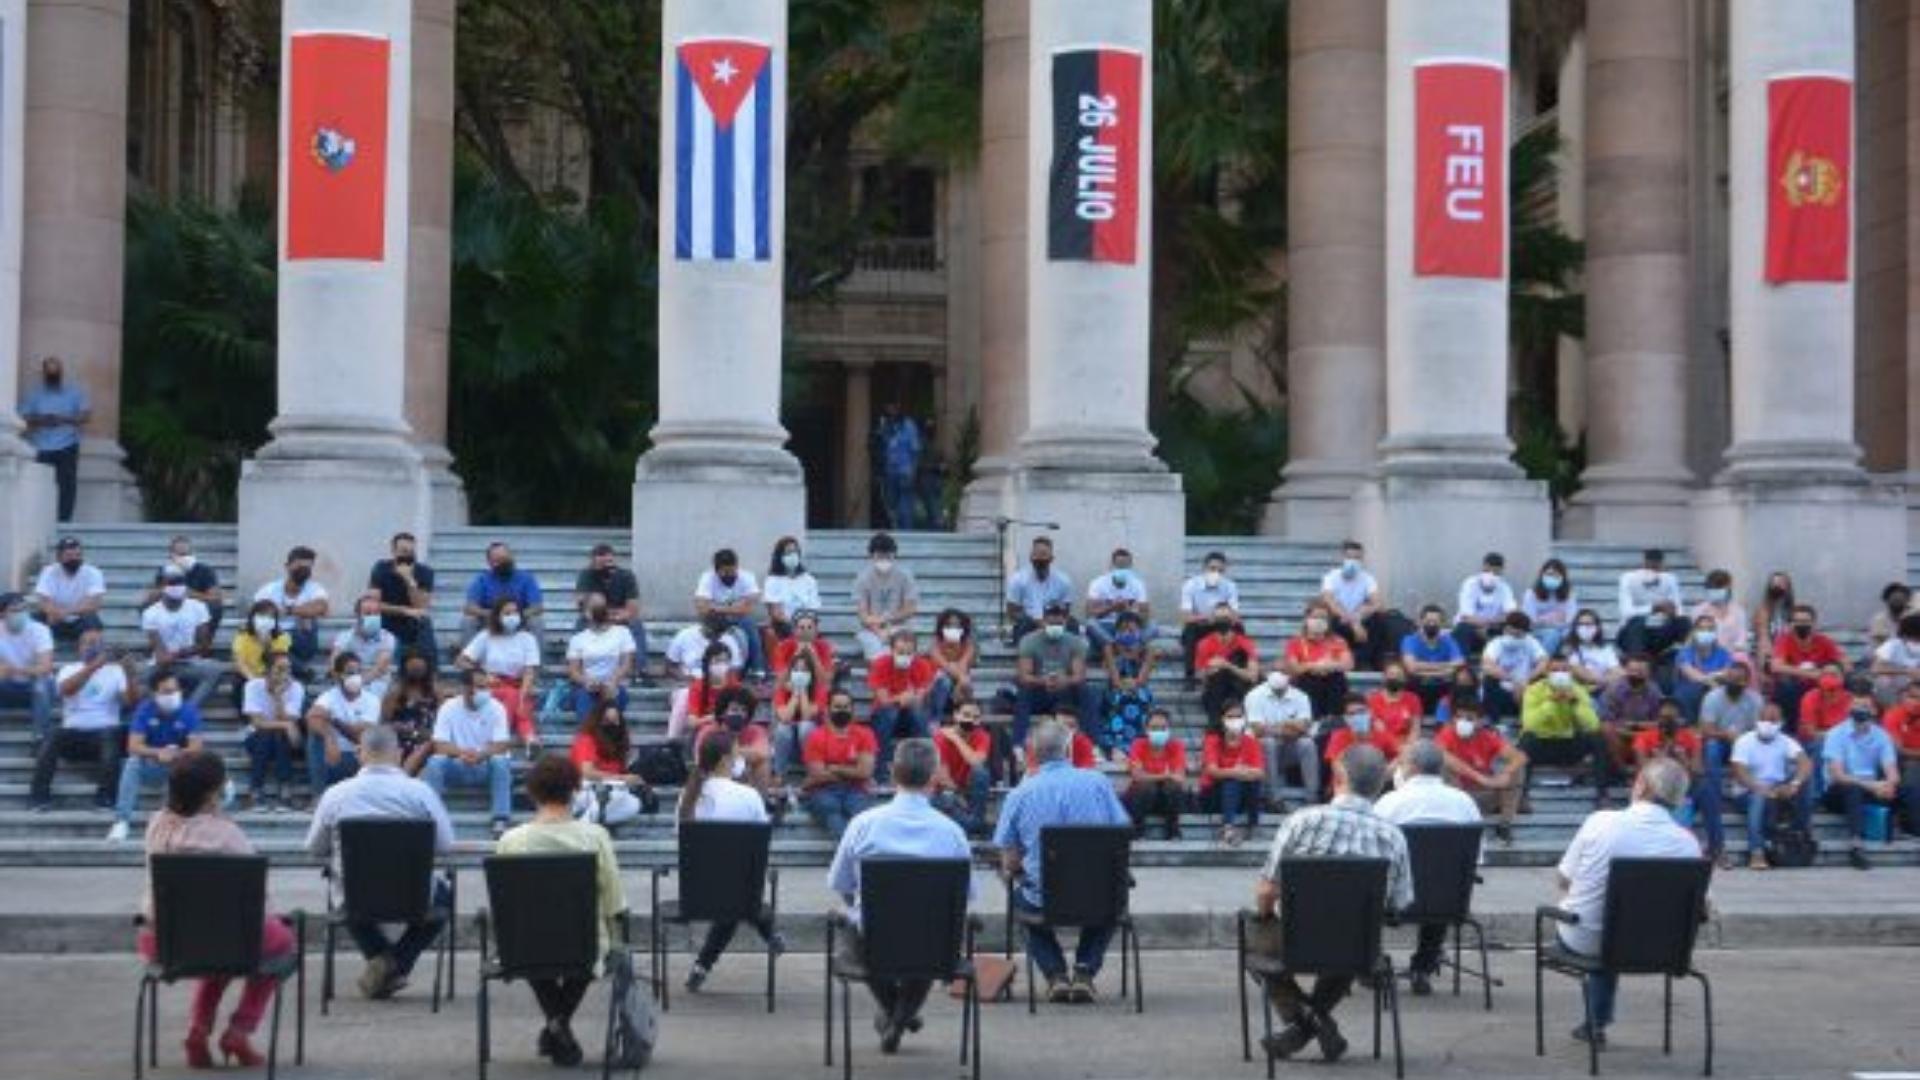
(575, 837)
(251, 657)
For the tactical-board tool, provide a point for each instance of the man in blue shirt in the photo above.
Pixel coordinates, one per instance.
(1036, 587)
(1432, 658)
(55, 415)
(1055, 793)
(1862, 770)
(164, 727)
(502, 580)
(900, 450)
(907, 827)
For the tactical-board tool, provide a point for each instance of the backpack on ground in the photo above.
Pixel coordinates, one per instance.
(1791, 848)
(635, 1027)
(661, 765)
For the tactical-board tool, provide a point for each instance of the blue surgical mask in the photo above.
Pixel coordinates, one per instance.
(1360, 722)
(1159, 738)
(1551, 582)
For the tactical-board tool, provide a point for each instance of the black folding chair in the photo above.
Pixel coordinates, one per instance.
(1446, 862)
(1331, 914)
(723, 878)
(208, 913)
(386, 876)
(1088, 883)
(1652, 916)
(545, 920)
(914, 925)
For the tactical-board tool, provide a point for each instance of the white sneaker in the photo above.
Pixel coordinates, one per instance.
(117, 834)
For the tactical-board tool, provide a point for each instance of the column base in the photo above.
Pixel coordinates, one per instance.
(1144, 512)
(448, 494)
(1425, 534)
(104, 491)
(1841, 542)
(986, 497)
(27, 491)
(344, 508)
(1314, 502)
(689, 503)
(1635, 509)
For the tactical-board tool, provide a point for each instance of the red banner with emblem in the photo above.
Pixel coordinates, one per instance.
(1460, 169)
(337, 147)
(1809, 178)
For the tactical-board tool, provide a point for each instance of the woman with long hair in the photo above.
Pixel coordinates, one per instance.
(412, 703)
(953, 654)
(717, 675)
(714, 793)
(1550, 604)
(789, 588)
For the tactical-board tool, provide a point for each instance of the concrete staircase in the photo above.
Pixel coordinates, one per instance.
(1276, 579)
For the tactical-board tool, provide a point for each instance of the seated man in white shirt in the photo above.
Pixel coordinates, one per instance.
(26, 665)
(471, 743)
(1423, 798)
(1485, 601)
(92, 693)
(335, 723)
(69, 591)
(368, 640)
(1644, 830)
(732, 594)
(1281, 716)
(179, 633)
(301, 603)
(383, 791)
(1359, 616)
(1116, 591)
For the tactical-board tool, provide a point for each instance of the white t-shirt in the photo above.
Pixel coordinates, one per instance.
(470, 729)
(367, 650)
(275, 592)
(599, 651)
(97, 706)
(1641, 831)
(689, 648)
(1517, 658)
(508, 656)
(799, 593)
(1351, 592)
(1131, 588)
(257, 700)
(718, 593)
(726, 800)
(1268, 709)
(24, 649)
(1427, 800)
(1899, 653)
(356, 713)
(1638, 594)
(1599, 659)
(68, 590)
(1199, 598)
(1485, 604)
(1768, 762)
(178, 628)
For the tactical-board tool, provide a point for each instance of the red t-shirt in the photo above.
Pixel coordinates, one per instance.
(1243, 754)
(1305, 650)
(829, 747)
(886, 674)
(701, 701)
(1397, 713)
(749, 736)
(1904, 725)
(1170, 760)
(1211, 648)
(1084, 756)
(957, 768)
(1818, 650)
(586, 751)
(1648, 742)
(1820, 711)
(822, 651)
(1377, 737)
(1479, 752)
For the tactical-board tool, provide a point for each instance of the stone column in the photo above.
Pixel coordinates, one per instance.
(430, 254)
(341, 473)
(718, 474)
(1910, 34)
(1336, 263)
(1086, 461)
(856, 456)
(1449, 490)
(1637, 274)
(1793, 480)
(75, 229)
(1002, 263)
(1880, 226)
(26, 487)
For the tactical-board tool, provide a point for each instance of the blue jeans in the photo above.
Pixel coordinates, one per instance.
(371, 938)
(970, 810)
(833, 805)
(320, 775)
(1235, 799)
(788, 739)
(756, 649)
(37, 694)
(1760, 811)
(1853, 800)
(1044, 945)
(1689, 695)
(494, 774)
(892, 723)
(898, 494)
(304, 642)
(136, 773)
(1550, 637)
(264, 749)
(585, 701)
(1038, 699)
(940, 697)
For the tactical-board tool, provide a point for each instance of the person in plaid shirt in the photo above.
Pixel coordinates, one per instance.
(1347, 826)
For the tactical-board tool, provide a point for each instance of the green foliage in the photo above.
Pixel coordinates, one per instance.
(198, 360)
(1229, 460)
(1543, 449)
(1546, 303)
(966, 454)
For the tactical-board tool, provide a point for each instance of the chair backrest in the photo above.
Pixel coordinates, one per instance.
(913, 915)
(1445, 860)
(386, 869)
(1085, 871)
(545, 913)
(1331, 910)
(1653, 912)
(207, 913)
(723, 869)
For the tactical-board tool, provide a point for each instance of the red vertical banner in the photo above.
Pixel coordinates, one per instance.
(336, 158)
(1809, 178)
(1460, 170)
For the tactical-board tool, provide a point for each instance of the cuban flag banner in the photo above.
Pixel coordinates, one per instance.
(723, 151)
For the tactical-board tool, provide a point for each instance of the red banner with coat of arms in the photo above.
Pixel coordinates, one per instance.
(337, 147)
(1809, 178)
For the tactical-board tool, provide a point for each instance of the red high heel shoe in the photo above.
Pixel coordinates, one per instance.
(235, 1047)
(199, 1056)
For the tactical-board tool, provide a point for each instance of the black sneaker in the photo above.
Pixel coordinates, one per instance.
(1857, 858)
(1291, 1040)
(1059, 990)
(777, 943)
(1081, 988)
(1503, 833)
(1598, 1037)
(1422, 983)
(696, 978)
(566, 1048)
(890, 1033)
(499, 827)
(545, 1044)
(1333, 1045)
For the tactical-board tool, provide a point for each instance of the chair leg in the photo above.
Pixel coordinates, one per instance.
(300, 996)
(1393, 1006)
(846, 1030)
(1706, 1002)
(326, 972)
(273, 1039)
(973, 1000)
(613, 1011)
(966, 1021)
(666, 977)
(1266, 1012)
(453, 928)
(1486, 966)
(1031, 1008)
(153, 1027)
(1139, 973)
(1593, 1043)
(1241, 976)
(1539, 1007)
(1379, 994)
(1456, 959)
(140, 1030)
(1666, 1015)
(771, 961)
(440, 963)
(828, 982)
(480, 1026)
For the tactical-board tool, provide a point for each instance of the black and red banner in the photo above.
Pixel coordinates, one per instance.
(1093, 203)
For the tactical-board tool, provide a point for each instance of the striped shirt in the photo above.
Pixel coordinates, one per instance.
(1345, 827)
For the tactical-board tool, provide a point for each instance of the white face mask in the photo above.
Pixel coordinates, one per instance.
(790, 560)
(185, 562)
(1360, 722)
(510, 623)
(739, 768)
(1766, 729)
(884, 566)
(1276, 681)
(1705, 638)
(1350, 568)
(1586, 631)
(1463, 728)
(1716, 596)
(1234, 726)
(1212, 578)
(1560, 680)
(952, 635)
(800, 679)
(16, 622)
(370, 625)
(174, 592)
(167, 703)
(263, 625)
(1488, 579)
(482, 697)
(352, 683)
(718, 669)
